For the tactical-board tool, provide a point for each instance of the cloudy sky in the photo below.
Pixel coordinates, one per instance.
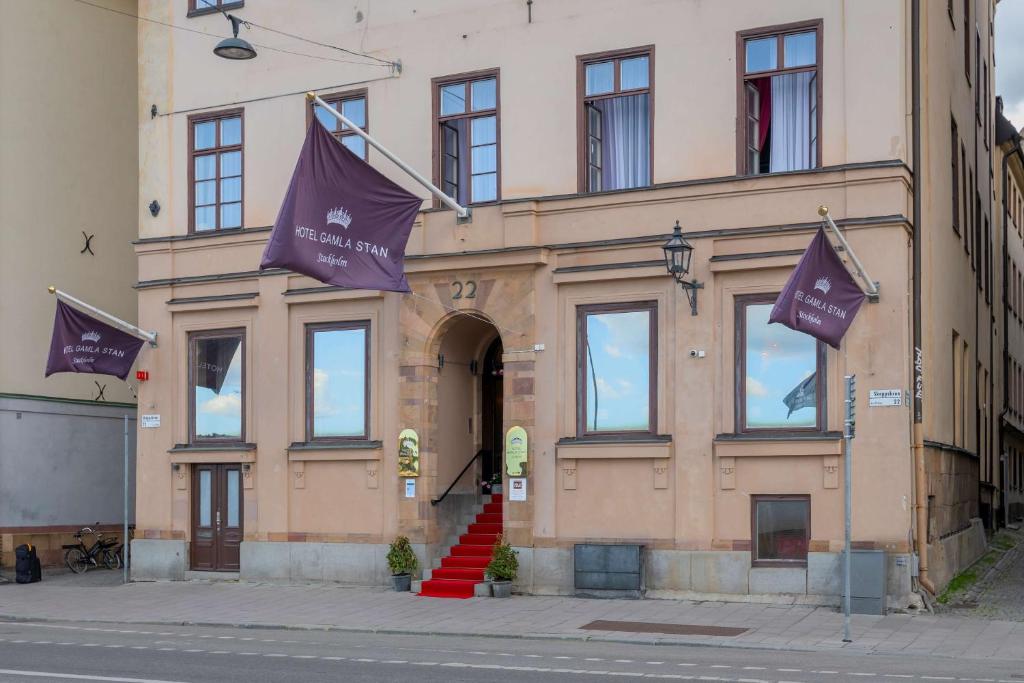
(1010, 58)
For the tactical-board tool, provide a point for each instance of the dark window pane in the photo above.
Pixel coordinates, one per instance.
(761, 54)
(339, 383)
(617, 366)
(485, 94)
(781, 367)
(635, 73)
(231, 131)
(600, 78)
(217, 373)
(800, 49)
(453, 99)
(782, 529)
(205, 135)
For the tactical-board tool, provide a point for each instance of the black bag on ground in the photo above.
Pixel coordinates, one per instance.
(26, 564)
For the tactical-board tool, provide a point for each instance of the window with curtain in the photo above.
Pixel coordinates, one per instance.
(780, 372)
(217, 385)
(954, 144)
(337, 367)
(616, 120)
(353, 107)
(466, 142)
(617, 363)
(781, 530)
(781, 90)
(215, 171)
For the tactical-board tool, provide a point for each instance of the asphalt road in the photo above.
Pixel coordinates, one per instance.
(133, 653)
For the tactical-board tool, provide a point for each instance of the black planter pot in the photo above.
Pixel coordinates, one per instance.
(501, 589)
(401, 582)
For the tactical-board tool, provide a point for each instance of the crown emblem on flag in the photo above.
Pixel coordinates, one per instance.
(339, 216)
(91, 336)
(824, 284)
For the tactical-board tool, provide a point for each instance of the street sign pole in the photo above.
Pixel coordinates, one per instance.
(848, 434)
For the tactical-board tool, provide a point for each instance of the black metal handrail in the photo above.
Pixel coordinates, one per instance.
(456, 481)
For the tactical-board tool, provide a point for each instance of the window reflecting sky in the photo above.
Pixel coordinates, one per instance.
(339, 382)
(219, 415)
(778, 359)
(619, 359)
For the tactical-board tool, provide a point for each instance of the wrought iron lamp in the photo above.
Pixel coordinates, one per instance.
(234, 48)
(678, 254)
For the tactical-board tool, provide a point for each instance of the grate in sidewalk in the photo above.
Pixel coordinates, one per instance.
(672, 629)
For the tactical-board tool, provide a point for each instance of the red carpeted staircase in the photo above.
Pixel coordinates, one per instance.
(465, 564)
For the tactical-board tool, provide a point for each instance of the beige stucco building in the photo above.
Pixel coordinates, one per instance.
(68, 197)
(580, 132)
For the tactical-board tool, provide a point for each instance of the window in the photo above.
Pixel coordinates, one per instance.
(466, 142)
(955, 142)
(337, 386)
(977, 78)
(780, 378)
(969, 217)
(957, 402)
(781, 530)
(986, 282)
(215, 171)
(780, 98)
(353, 107)
(217, 386)
(616, 119)
(967, 40)
(985, 125)
(617, 369)
(967, 204)
(949, 8)
(198, 8)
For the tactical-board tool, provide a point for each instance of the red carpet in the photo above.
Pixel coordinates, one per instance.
(464, 566)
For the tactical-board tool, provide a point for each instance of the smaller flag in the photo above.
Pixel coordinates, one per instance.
(342, 222)
(803, 395)
(81, 343)
(820, 298)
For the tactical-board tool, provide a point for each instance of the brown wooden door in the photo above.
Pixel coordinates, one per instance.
(216, 517)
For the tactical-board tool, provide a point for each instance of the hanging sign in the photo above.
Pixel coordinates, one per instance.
(517, 490)
(408, 454)
(81, 343)
(820, 298)
(342, 222)
(515, 451)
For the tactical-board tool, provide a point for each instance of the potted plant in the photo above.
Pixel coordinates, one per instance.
(402, 563)
(496, 483)
(502, 569)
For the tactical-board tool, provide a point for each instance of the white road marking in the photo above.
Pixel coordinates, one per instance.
(761, 668)
(308, 657)
(274, 654)
(939, 678)
(247, 653)
(861, 673)
(80, 677)
(333, 659)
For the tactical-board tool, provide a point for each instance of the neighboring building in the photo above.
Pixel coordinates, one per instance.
(580, 132)
(68, 196)
(1009, 206)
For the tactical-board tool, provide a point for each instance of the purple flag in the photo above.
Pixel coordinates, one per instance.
(820, 298)
(342, 222)
(81, 343)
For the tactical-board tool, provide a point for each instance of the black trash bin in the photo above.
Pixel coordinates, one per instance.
(26, 564)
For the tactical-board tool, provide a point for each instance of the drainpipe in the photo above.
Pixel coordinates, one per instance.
(1006, 321)
(920, 479)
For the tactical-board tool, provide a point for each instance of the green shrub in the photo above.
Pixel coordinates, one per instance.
(401, 558)
(504, 564)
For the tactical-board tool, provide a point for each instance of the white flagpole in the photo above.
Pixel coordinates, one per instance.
(125, 326)
(462, 212)
(871, 284)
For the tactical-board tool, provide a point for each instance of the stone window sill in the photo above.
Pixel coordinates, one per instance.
(303, 451)
(619, 447)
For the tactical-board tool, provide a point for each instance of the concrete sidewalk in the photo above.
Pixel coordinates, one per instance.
(98, 597)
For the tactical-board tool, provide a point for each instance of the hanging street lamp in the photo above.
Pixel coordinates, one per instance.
(234, 48)
(678, 254)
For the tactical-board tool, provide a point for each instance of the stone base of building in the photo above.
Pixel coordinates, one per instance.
(951, 555)
(670, 574)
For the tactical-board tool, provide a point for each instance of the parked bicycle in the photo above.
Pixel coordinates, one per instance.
(79, 557)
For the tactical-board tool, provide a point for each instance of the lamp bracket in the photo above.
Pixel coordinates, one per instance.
(690, 288)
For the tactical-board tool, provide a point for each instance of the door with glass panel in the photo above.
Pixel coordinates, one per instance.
(216, 517)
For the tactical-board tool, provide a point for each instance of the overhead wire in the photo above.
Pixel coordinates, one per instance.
(219, 37)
